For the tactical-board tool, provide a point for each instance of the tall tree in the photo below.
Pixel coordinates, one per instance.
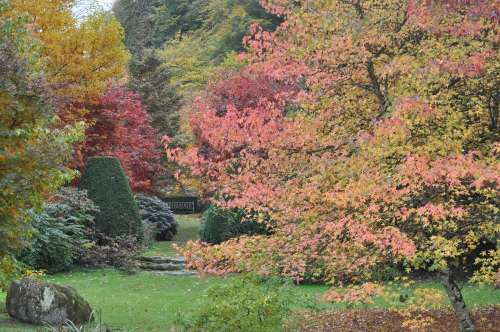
(391, 153)
(33, 151)
(151, 80)
(135, 17)
(81, 57)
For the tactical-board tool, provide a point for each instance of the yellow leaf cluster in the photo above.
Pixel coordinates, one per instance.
(80, 58)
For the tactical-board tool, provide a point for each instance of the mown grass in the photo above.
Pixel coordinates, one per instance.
(189, 229)
(139, 302)
(146, 302)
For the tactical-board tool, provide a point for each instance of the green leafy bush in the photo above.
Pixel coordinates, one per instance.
(221, 225)
(244, 304)
(157, 215)
(59, 230)
(108, 187)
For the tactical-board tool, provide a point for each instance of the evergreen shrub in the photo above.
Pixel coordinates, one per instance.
(59, 230)
(157, 215)
(219, 225)
(108, 186)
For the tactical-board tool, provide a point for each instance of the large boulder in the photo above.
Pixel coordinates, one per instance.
(37, 302)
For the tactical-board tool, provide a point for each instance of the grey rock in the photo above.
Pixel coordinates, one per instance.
(37, 302)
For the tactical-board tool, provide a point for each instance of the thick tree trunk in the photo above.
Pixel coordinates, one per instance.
(463, 315)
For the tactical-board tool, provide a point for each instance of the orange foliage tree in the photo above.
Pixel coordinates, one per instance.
(387, 153)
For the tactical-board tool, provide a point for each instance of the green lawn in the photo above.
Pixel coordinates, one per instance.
(139, 302)
(189, 229)
(146, 302)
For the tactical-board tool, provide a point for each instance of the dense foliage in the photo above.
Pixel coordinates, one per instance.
(223, 25)
(52, 65)
(157, 215)
(388, 152)
(32, 151)
(168, 65)
(81, 57)
(135, 17)
(104, 251)
(220, 225)
(122, 128)
(59, 231)
(151, 80)
(108, 187)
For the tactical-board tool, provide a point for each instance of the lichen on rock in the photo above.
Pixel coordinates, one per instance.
(37, 302)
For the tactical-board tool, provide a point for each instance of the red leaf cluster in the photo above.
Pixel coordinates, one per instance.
(121, 127)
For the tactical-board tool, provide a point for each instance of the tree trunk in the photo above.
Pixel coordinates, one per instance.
(463, 315)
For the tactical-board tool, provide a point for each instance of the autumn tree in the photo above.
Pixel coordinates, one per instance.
(33, 151)
(122, 128)
(389, 152)
(81, 57)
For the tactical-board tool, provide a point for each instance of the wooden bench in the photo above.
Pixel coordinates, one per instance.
(182, 204)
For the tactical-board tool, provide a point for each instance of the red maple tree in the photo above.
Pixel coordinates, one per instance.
(120, 127)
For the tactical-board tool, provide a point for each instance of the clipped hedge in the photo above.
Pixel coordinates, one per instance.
(108, 186)
(221, 225)
(158, 216)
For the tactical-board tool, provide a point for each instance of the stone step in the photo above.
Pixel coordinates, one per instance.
(175, 273)
(162, 260)
(161, 266)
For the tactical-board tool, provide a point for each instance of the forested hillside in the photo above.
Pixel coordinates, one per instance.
(179, 45)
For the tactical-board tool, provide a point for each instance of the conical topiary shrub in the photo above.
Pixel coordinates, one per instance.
(107, 185)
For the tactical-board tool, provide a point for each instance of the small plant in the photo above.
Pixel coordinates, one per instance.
(157, 216)
(244, 304)
(69, 326)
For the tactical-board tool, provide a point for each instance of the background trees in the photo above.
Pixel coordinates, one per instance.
(151, 80)
(169, 66)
